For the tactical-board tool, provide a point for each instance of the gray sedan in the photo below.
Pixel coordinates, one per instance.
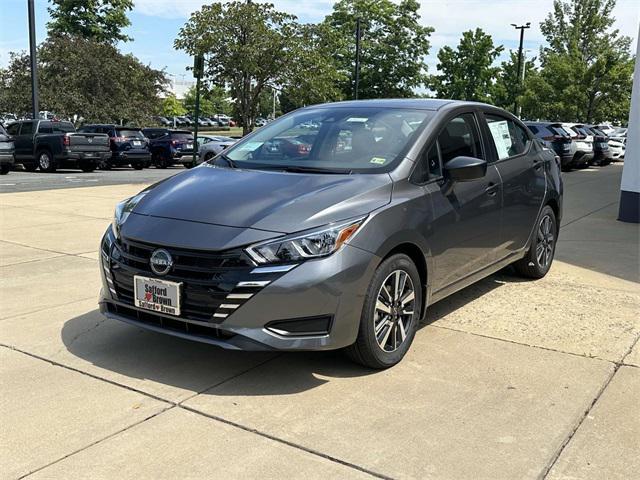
(337, 235)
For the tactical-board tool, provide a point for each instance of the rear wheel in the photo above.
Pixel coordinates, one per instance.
(539, 258)
(46, 162)
(5, 168)
(390, 314)
(189, 164)
(30, 167)
(137, 165)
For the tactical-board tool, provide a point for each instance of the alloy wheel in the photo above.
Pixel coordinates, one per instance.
(546, 239)
(44, 161)
(394, 310)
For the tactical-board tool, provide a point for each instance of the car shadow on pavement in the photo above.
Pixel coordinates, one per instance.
(146, 357)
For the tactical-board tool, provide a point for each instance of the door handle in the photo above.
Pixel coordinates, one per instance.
(491, 189)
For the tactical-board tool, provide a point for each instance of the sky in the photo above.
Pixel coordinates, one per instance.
(155, 24)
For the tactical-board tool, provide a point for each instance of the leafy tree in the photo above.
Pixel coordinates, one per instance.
(172, 107)
(100, 20)
(15, 84)
(248, 48)
(505, 90)
(393, 47)
(84, 77)
(206, 106)
(586, 66)
(467, 73)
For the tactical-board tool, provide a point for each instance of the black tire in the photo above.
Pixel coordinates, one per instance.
(5, 168)
(87, 167)
(189, 164)
(30, 167)
(137, 165)
(209, 156)
(367, 350)
(46, 163)
(532, 266)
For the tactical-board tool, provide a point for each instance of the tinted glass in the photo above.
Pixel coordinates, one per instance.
(460, 138)
(182, 136)
(359, 139)
(27, 128)
(45, 127)
(129, 133)
(534, 129)
(63, 127)
(508, 137)
(13, 129)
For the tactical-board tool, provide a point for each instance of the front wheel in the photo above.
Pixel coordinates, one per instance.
(137, 165)
(537, 262)
(390, 315)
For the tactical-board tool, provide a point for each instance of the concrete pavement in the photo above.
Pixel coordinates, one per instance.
(507, 379)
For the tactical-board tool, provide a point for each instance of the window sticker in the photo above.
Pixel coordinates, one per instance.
(378, 160)
(501, 138)
(356, 120)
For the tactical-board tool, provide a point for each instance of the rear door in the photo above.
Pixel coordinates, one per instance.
(522, 168)
(465, 234)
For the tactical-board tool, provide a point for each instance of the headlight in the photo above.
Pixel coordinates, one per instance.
(123, 209)
(314, 244)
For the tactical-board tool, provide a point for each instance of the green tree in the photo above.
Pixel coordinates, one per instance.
(248, 48)
(393, 47)
(206, 106)
(507, 89)
(587, 66)
(100, 20)
(15, 84)
(468, 72)
(81, 76)
(172, 107)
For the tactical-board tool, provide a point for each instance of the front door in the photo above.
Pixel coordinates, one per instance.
(465, 234)
(24, 141)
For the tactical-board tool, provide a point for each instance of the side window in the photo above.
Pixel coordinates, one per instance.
(13, 129)
(508, 137)
(27, 128)
(460, 138)
(45, 127)
(533, 129)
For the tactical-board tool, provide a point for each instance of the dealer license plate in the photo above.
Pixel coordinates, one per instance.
(137, 143)
(157, 295)
(189, 146)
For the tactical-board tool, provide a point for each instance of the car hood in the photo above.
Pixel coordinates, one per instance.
(263, 200)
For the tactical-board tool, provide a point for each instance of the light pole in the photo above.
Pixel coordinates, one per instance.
(35, 107)
(357, 75)
(522, 28)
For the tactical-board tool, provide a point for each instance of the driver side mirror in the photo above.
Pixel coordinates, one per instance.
(465, 169)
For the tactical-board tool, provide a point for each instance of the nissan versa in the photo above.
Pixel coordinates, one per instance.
(335, 226)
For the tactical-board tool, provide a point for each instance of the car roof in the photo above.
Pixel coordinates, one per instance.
(416, 103)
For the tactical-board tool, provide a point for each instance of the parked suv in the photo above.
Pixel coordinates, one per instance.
(602, 154)
(335, 246)
(556, 138)
(48, 145)
(169, 147)
(128, 146)
(6, 151)
(584, 146)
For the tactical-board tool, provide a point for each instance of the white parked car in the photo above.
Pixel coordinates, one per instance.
(584, 144)
(211, 145)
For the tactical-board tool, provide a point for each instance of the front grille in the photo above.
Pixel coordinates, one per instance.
(212, 285)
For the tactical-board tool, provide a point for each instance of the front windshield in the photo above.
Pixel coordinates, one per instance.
(342, 139)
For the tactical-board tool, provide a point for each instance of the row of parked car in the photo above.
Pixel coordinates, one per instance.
(46, 145)
(218, 120)
(579, 145)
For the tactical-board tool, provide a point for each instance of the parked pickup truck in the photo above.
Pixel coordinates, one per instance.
(47, 145)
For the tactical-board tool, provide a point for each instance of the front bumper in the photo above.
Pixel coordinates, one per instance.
(331, 288)
(7, 158)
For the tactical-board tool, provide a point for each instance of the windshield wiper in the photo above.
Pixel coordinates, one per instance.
(302, 169)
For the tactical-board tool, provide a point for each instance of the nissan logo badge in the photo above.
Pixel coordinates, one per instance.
(161, 262)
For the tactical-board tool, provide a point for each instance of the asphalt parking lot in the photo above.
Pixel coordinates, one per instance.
(21, 181)
(507, 378)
